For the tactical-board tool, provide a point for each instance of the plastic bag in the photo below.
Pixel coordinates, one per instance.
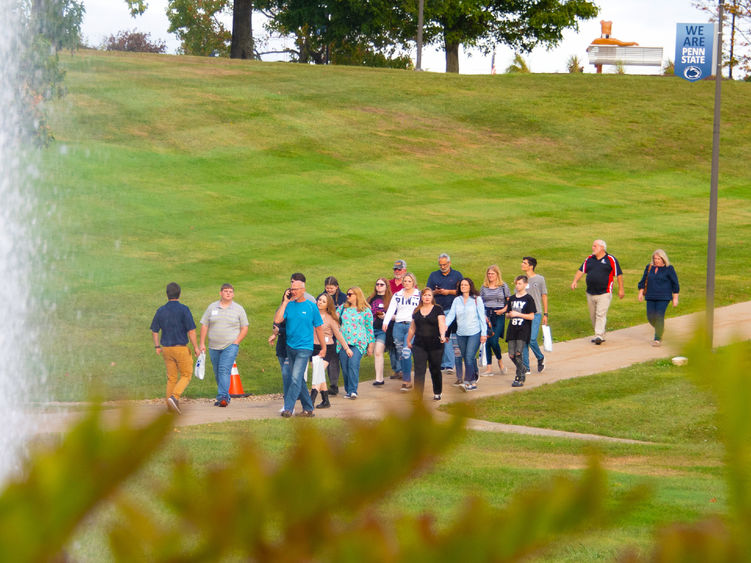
(547, 338)
(200, 369)
(319, 370)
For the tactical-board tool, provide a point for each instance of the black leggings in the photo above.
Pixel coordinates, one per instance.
(432, 359)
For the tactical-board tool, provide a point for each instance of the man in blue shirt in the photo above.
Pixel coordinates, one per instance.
(443, 282)
(177, 326)
(302, 321)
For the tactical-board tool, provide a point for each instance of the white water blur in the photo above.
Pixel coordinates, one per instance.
(19, 383)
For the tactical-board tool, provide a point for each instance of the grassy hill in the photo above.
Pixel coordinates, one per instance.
(203, 171)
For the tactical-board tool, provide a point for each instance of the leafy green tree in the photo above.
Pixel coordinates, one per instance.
(196, 24)
(520, 24)
(327, 32)
(518, 66)
(49, 27)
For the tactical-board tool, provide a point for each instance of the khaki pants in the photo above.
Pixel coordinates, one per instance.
(178, 360)
(598, 312)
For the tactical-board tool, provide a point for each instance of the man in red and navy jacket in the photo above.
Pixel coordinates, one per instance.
(601, 269)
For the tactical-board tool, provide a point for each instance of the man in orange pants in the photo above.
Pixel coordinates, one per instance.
(177, 325)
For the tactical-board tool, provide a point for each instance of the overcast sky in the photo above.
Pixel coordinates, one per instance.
(651, 23)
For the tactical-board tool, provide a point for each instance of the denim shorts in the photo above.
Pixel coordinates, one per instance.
(379, 335)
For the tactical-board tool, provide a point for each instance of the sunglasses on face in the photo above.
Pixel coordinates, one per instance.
(350, 294)
(380, 284)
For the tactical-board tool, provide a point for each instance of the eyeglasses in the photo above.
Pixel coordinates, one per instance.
(380, 284)
(350, 294)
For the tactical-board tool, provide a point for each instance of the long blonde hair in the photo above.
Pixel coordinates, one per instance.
(661, 253)
(497, 270)
(361, 304)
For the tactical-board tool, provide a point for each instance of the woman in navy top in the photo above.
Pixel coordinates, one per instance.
(659, 286)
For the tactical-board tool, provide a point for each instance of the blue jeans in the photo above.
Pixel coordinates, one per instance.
(469, 345)
(298, 363)
(536, 322)
(284, 366)
(221, 361)
(656, 315)
(350, 369)
(447, 361)
(493, 345)
(402, 351)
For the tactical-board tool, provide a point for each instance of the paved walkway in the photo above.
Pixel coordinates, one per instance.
(574, 358)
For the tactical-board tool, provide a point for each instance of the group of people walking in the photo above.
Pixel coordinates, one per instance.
(440, 328)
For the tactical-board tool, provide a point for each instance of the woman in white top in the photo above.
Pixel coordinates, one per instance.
(471, 328)
(400, 309)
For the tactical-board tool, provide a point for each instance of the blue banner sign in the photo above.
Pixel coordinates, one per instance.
(694, 50)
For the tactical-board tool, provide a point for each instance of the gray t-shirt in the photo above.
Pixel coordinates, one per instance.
(536, 287)
(224, 324)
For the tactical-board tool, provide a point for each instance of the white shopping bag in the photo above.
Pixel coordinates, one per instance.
(200, 368)
(547, 338)
(319, 370)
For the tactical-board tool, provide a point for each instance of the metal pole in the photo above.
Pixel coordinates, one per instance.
(712, 231)
(420, 5)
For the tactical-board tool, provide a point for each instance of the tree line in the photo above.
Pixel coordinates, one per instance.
(371, 32)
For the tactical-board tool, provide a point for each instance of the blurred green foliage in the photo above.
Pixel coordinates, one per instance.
(320, 501)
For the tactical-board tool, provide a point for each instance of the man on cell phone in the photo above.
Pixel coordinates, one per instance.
(302, 321)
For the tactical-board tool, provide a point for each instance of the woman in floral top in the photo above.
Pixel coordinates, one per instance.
(357, 329)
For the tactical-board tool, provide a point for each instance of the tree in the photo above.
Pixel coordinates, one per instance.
(242, 30)
(518, 66)
(331, 31)
(738, 15)
(133, 41)
(520, 24)
(574, 65)
(319, 25)
(48, 27)
(196, 24)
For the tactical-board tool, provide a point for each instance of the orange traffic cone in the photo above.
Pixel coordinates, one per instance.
(235, 385)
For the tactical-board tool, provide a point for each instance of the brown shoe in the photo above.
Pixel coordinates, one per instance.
(406, 386)
(396, 375)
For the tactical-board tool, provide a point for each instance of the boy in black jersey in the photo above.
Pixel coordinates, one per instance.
(521, 311)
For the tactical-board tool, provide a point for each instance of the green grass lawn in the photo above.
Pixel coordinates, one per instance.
(202, 171)
(683, 470)
(653, 402)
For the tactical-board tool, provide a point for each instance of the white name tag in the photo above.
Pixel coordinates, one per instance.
(215, 312)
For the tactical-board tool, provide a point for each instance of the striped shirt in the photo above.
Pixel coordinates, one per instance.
(224, 323)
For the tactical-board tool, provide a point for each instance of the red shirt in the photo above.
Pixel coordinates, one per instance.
(395, 284)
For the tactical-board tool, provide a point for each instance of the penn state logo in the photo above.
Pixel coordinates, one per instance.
(692, 72)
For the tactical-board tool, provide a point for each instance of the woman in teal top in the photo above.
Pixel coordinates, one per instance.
(357, 329)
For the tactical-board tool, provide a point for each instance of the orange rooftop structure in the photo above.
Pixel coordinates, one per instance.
(606, 50)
